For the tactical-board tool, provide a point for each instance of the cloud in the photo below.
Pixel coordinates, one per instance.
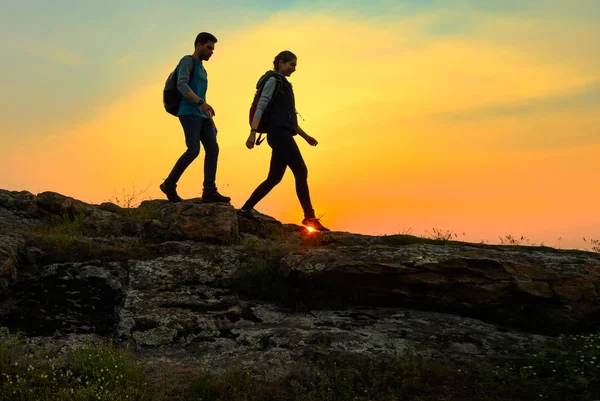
(124, 59)
(581, 98)
(56, 54)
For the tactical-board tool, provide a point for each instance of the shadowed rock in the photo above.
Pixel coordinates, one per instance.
(11, 246)
(534, 289)
(65, 298)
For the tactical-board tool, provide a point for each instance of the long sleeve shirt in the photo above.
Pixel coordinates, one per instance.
(198, 84)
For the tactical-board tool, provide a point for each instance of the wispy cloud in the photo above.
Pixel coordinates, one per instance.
(580, 98)
(55, 54)
(124, 59)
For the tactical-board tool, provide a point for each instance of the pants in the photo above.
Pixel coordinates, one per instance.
(285, 154)
(196, 130)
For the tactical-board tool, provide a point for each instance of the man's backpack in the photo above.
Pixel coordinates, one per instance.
(264, 120)
(171, 96)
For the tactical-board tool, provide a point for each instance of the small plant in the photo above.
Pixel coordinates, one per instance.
(510, 240)
(63, 225)
(560, 372)
(594, 243)
(28, 373)
(144, 211)
(566, 369)
(261, 277)
(127, 200)
(443, 235)
(131, 206)
(405, 231)
(60, 232)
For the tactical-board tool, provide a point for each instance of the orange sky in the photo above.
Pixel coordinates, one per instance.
(489, 131)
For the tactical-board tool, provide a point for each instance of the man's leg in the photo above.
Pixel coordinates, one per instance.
(192, 126)
(211, 147)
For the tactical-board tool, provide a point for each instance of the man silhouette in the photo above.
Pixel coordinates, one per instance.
(196, 117)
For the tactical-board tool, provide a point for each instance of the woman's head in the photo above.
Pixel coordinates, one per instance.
(285, 63)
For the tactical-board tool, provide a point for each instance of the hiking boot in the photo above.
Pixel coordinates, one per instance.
(171, 192)
(249, 215)
(214, 196)
(314, 223)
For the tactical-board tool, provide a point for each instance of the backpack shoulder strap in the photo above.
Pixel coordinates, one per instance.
(192, 70)
(278, 81)
(278, 85)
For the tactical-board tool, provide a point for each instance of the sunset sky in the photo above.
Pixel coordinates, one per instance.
(479, 117)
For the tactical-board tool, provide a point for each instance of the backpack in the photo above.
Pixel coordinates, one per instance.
(264, 120)
(171, 96)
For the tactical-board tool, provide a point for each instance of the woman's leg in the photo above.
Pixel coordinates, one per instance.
(276, 172)
(296, 163)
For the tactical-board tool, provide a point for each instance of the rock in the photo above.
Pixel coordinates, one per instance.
(18, 211)
(268, 227)
(277, 340)
(182, 298)
(539, 290)
(22, 201)
(59, 205)
(110, 207)
(192, 285)
(11, 246)
(65, 298)
(200, 221)
(186, 301)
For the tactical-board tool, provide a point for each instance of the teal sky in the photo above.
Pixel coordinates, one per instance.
(64, 59)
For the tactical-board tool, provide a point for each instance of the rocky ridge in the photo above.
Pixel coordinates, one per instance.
(191, 284)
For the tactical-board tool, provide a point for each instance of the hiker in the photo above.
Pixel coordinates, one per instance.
(277, 105)
(196, 117)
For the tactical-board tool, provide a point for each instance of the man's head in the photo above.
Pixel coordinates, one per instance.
(285, 63)
(204, 45)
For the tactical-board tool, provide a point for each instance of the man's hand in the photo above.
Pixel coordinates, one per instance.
(207, 109)
(251, 139)
(311, 141)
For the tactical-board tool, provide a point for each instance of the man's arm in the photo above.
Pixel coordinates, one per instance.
(185, 68)
(183, 79)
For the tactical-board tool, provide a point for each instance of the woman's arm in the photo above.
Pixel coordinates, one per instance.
(311, 141)
(265, 97)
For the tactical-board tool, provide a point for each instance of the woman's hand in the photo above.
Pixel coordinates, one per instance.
(251, 139)
(311, 141)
